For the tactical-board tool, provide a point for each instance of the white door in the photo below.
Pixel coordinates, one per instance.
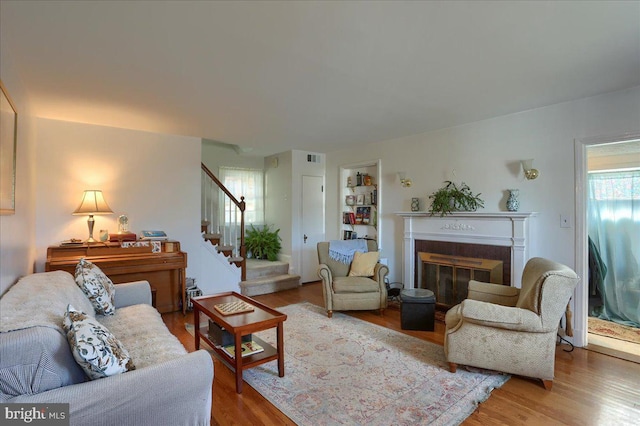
(312, 226)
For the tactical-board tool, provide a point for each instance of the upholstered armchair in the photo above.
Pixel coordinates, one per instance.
(345, 293)
(509, 329)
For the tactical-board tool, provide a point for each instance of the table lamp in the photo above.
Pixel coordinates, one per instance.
(92, 203)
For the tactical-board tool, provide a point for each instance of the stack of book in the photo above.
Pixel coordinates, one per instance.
(248, 348)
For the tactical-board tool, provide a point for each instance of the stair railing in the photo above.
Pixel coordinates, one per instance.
(210, 211)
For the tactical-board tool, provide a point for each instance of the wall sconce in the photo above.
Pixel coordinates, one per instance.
(404, 181)
(92, 203)
(529, 172)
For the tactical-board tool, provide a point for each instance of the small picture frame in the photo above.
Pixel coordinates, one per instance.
(360, 199)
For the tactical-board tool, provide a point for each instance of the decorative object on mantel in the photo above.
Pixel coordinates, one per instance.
(453, 198)
(415, 205)
(529, 172)
(513, 203)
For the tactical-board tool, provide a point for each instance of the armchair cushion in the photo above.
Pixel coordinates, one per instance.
(355, 285)
(498, 316)
(363, 264)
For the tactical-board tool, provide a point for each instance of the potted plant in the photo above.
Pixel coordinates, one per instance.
(263, 243)
(453, 198)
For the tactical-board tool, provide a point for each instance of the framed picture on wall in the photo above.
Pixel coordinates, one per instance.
(8, 144)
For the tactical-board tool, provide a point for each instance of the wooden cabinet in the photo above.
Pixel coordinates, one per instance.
(165, 270)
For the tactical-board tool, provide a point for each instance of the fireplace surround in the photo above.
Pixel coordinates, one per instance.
(502, 236)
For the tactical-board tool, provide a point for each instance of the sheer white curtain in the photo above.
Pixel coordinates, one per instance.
(247, 183)
(614, 227)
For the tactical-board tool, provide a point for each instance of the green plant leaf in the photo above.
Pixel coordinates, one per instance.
(263, 243)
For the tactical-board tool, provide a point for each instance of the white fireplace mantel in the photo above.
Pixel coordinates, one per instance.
(511, 229)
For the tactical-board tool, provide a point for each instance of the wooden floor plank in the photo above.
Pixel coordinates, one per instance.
(589, 388)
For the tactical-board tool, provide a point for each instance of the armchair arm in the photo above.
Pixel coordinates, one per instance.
(493, 293)
(498, 316)
(327, 279)
(133, 293)
(176, 392)
(379, 273)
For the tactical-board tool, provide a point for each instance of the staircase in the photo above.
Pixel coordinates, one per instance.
(216, 239)
(264, 276)
(256, 276)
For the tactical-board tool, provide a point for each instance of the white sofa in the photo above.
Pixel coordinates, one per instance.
(168, 387)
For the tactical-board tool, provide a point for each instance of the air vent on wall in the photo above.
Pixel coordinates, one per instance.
(313, 158)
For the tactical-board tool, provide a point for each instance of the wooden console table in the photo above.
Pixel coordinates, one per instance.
(165, 271)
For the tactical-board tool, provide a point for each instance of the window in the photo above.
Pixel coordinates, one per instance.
(247, 183)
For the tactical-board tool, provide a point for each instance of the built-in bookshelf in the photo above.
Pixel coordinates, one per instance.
(360, 201)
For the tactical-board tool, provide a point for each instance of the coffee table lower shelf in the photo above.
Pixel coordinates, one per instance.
(269, 354)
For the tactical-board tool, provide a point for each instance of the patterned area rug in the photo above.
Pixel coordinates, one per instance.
(344, 371)
(614, 330)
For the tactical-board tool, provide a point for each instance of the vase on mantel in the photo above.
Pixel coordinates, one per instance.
(513, 203)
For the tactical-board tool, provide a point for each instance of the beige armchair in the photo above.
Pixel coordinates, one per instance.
(344, 293)
(509, 329)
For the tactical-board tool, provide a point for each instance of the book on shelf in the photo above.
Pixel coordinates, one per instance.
(363, 215)
(248, 348)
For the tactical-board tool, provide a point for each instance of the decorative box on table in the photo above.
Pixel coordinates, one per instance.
(221, 337)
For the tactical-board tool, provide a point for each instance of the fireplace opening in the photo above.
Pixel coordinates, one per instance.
(446, 268)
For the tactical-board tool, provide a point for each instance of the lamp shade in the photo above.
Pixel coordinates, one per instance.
(93, 203)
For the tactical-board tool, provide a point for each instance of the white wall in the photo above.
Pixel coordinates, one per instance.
(153, 178)
(17, 231)
(486, 155)
(278, 170)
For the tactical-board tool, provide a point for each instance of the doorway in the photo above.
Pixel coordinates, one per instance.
(598, 160)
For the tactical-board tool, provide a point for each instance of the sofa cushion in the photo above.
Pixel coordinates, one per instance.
(95, 349)
(34, 360)
(364, 264)
(141, 330)
(41, 299)
(97, 286)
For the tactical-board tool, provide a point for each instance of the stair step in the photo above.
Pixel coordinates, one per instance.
(264, 268)
(269, 284)
(236, 261)
(213, 238)
(226, 250)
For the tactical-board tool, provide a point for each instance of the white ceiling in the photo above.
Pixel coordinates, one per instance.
(274, 76)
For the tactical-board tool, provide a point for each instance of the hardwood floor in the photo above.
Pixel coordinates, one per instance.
(589, 388)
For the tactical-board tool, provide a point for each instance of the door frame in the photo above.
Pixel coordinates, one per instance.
(581, 296)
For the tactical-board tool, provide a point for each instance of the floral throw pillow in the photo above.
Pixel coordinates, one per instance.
(95, 349)
(97, 286)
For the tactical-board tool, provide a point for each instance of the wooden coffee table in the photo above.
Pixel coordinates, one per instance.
(240, 324)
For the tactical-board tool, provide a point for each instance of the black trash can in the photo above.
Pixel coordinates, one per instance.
(417, 309)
